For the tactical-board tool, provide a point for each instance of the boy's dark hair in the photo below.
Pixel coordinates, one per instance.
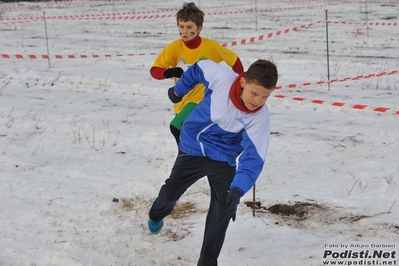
(190, 12)
(263, 73)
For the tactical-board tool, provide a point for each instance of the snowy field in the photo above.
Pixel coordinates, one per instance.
(85, 142)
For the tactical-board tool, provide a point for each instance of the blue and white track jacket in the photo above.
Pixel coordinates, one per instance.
(218, 130)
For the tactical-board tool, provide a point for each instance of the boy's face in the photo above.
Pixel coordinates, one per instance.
(253, 95)
(188, 30)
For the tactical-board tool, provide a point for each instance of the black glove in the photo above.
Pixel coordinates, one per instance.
(172, 96)
(233, 198)
(174, 72)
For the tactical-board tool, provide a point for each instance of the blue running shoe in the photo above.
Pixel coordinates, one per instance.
(155, 226)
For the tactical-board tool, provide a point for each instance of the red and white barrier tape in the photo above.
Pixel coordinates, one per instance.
(113, 2)
(364, 23)
(268, 36)
(92, 3)
(340, 104)
(133, 15)
(86, 17)
(234, 43)
(305, 84)
(64, 4)
(58, 56)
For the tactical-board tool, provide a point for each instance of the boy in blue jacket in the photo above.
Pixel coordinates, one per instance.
(232, 121)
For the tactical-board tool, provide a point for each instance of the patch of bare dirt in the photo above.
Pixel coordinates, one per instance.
(307, 214)
(338, 220)
(301, 210)
(184, 209)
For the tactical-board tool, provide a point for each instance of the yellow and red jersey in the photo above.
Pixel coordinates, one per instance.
(178, 54)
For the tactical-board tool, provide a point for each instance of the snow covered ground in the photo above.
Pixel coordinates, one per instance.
(85, 142)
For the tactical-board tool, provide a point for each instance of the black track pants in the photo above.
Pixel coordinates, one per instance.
(185, 172)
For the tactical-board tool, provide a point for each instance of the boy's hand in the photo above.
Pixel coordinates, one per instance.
(233, 198)
(173, 96)
(173, 72)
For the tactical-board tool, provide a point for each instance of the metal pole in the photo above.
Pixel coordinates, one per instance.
(256, 15)
(45, 29)
(367, 19)
(328, 51)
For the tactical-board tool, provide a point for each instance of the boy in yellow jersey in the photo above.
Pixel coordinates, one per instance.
(184, 52)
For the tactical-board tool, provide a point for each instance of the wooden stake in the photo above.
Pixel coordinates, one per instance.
(253, 200)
